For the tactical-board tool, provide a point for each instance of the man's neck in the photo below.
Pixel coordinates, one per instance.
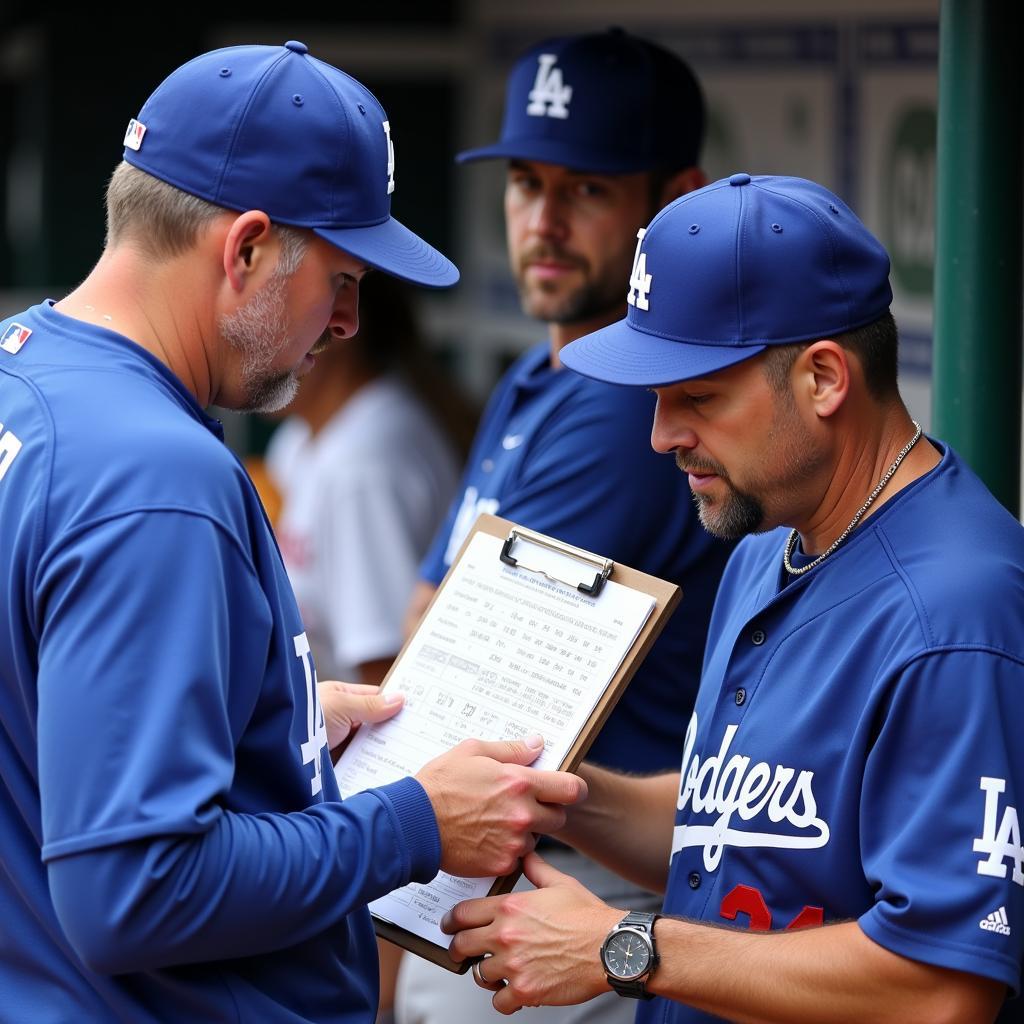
(148, 304)
(860, 464)
(561, 334)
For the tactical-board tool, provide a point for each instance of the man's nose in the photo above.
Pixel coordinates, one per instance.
(671, 432)
(547, 217)
(344, 320)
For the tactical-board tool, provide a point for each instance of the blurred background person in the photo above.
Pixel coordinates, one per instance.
(600, 130)
(364, 467)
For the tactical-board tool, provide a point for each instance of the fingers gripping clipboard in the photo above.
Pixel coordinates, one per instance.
(524, 634)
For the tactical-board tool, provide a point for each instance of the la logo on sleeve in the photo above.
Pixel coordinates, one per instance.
(1002, 841)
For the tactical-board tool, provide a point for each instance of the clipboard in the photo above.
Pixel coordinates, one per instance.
(588, 573)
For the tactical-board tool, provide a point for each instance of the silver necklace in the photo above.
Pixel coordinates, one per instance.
(791, 539)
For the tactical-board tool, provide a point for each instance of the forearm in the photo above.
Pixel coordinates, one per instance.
(251, 884)
(830, 975)
(626, 824)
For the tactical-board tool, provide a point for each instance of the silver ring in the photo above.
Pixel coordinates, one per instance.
(478, 971)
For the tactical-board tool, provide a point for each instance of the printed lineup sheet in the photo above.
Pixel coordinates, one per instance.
(501, 653)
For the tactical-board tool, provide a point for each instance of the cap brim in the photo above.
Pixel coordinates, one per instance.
(561, 152)
(621, 354)
(390, 246)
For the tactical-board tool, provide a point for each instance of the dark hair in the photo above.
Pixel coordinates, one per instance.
(390, 340)
(876, 346)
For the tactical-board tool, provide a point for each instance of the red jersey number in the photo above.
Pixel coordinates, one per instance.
(745, 899)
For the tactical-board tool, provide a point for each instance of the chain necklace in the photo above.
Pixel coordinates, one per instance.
(791, 539)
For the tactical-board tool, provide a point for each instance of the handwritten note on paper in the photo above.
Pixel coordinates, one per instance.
(501, 653)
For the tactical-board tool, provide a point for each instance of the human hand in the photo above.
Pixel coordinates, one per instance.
(540, 947)
(488, 804)
(347, 705)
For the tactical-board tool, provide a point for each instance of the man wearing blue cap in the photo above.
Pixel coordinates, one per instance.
(175, 848)
(852, 775)
(599, 131)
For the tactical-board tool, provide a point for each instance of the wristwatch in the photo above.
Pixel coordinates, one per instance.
(629, 955)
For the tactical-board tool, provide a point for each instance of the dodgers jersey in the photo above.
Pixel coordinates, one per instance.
(854, 752)
(175, 848)
(571, 457)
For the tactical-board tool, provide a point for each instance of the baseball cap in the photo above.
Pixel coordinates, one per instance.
(607, 102)
(271, 128)
(723, 272)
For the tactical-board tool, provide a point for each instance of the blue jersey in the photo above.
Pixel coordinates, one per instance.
(571, 457)
(854, 752)
(174, 848)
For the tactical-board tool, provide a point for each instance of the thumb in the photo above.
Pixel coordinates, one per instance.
(379, 707)
(541, 873)
(524, 751)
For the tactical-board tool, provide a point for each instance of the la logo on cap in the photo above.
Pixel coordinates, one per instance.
(639, 279)
(391, 157)
(133, 137)
(549, 97)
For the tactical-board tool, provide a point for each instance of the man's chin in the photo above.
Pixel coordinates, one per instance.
(559, 307)
(733, 519)
(271, 395)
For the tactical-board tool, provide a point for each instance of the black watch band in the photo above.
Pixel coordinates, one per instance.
(636, 988)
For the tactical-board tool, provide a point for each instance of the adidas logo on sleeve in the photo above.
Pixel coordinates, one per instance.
(996, 922)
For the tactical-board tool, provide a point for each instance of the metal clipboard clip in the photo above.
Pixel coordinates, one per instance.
(602, 566)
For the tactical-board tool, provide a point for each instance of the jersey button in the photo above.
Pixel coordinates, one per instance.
(757, 637)
(741, 696)
(694, 879)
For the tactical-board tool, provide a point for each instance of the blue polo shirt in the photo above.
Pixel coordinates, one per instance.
(175, 848)
(572, 458)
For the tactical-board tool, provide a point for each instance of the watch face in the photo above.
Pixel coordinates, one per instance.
(627, 954)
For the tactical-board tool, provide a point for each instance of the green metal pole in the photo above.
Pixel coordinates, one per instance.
(976, 386)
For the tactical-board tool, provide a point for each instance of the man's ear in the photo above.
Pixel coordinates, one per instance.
(822, 376)
(247, 247)
(686, 180)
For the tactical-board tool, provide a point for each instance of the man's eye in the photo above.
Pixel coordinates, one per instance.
(698, 399)
(524, 183)
(590, 189)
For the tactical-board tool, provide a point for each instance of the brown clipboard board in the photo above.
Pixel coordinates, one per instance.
(595, 569)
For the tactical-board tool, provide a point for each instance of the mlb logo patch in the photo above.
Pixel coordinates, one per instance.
(14, 337)
(133, 137)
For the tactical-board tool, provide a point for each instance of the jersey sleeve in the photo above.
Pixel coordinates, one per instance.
(940, 825)
(153, 655)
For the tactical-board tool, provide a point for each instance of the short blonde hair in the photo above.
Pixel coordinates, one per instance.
(165, 221)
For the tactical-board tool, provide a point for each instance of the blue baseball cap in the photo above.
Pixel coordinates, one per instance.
(271, 128)
(608, 103)
(723, 272)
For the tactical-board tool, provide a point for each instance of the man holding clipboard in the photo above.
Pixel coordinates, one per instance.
(853, 773)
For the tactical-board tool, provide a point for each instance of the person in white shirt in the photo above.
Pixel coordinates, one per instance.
(365, 471)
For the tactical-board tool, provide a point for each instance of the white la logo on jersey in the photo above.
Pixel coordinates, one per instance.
(10, 445)
(1002, 842)
(549, 97)
(735, 786)
(639, 279)
(391, 157)
(316, 728)
(472, 506)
